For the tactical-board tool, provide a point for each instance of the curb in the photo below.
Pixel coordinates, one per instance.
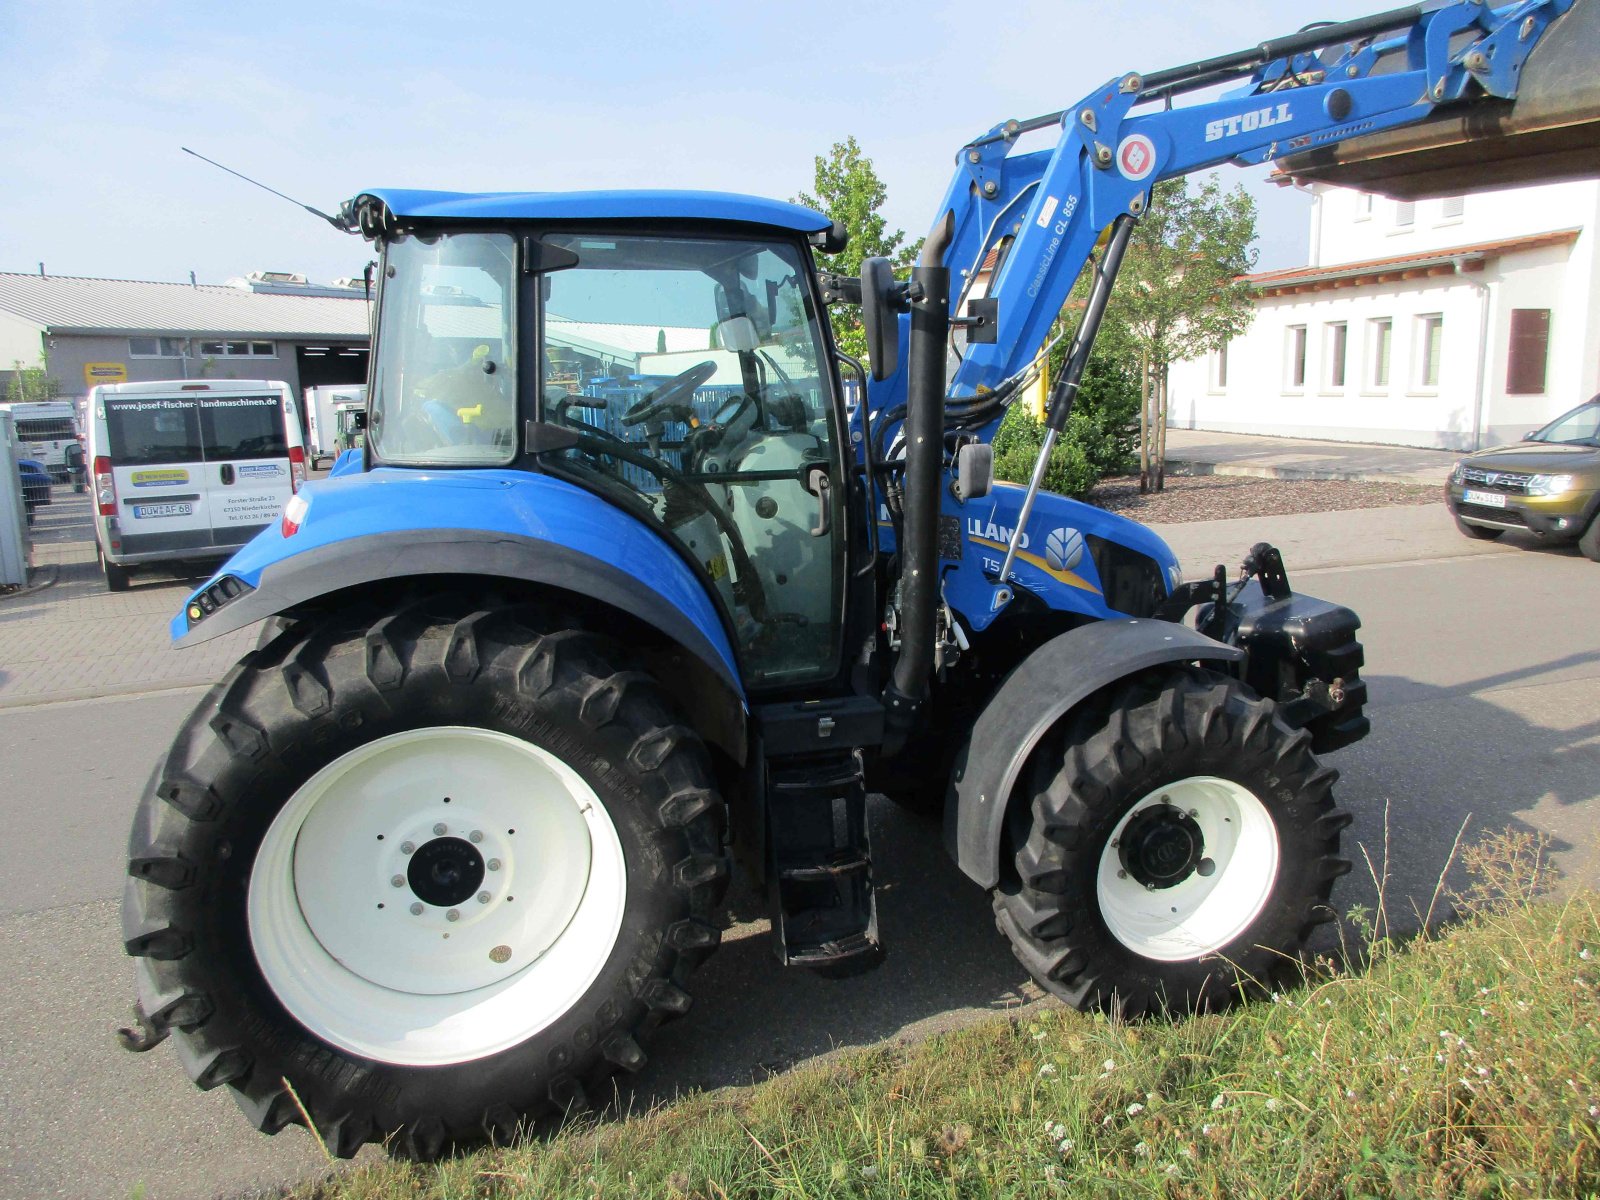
(52, 570)
(1180, 466)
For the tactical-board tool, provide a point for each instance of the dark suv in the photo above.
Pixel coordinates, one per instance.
(1548, 484)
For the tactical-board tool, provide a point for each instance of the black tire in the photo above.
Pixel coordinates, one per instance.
(1589, 540)
(315, 693)
(1483, 533)
(1169, 727)
(116, 577)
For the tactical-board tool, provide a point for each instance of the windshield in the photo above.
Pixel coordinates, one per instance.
(690, 367)
(445, 378)
(1580, 427)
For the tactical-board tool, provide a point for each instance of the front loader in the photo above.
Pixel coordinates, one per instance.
(621, 594)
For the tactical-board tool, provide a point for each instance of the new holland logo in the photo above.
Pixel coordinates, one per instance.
(1063, 549)
(990, 532)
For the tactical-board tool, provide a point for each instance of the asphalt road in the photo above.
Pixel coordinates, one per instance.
(1484, 667)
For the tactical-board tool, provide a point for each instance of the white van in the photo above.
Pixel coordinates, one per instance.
(45, 431)
(188, 469)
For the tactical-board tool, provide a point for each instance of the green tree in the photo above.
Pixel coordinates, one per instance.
(29, 384)
(848, 189)
(1180, 295)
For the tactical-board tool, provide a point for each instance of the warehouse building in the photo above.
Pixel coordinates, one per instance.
(268, 325)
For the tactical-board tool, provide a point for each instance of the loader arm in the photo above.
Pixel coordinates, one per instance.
(1046, 210)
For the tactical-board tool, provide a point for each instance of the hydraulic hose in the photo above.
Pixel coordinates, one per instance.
(924, 458)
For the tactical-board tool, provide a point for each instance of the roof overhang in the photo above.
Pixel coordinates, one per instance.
(1549, 133)
(1457, 260)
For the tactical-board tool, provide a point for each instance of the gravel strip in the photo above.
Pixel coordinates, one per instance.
(1218, 497)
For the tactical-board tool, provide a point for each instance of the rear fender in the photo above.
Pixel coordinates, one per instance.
(1056, 678)
(390, 526)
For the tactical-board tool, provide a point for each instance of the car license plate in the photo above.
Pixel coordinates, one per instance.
(142, 511)
(1487, 499)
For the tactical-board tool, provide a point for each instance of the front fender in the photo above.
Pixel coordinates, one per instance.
(391, 524)
(1049, 683)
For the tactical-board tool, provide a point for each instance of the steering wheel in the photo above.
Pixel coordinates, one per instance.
(675, 393)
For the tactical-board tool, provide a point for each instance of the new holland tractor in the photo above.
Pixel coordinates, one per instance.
(628, 587)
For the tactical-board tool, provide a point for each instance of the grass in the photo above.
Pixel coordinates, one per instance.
(1461, 1064)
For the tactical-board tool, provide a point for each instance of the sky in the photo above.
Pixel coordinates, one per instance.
(324, 100)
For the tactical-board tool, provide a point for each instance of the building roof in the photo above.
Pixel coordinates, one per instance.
(69, 304)
(1453, 260)
(601, 206)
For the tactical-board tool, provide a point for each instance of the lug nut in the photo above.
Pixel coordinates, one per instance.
(416, 910)
(440, 829)
(397, 880)
(1194, 812)
(1205, 867)
(483, 897)
(476, 835)
(408, 847)
(1122, 874)
(494, 864)
(453, 915)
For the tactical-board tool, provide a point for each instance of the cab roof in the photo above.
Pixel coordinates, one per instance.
(600, 206)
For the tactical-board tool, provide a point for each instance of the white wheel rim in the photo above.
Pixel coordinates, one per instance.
(364, 962)
(1202, 913)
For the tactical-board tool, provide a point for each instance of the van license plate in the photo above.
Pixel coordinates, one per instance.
(1487, 499)
(142, 511)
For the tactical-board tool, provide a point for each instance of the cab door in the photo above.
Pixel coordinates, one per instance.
(153, 451)
(249, 473)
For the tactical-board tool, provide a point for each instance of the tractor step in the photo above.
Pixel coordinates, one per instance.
(824, 915)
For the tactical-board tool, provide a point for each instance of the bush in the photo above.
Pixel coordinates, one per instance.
(1100, 439)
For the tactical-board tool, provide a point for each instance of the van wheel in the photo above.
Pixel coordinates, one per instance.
(116, 577)
(442, 870)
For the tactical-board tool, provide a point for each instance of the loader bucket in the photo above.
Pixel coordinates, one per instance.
(1549, 133)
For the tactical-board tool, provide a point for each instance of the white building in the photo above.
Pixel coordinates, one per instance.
(1454, 323)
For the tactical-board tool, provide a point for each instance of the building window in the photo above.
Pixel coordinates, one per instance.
(1380, 341)
(155, 347)
(1529, 353)
(1430, 337)
(1336, 341)
(1364, 206)
(1405, 214)
(1219, 369)
(1454, 208)
(1295, 358)
(238, 350)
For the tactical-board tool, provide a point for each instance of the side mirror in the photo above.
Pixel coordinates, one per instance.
(974, 471)
(360, 418)
(881, 302)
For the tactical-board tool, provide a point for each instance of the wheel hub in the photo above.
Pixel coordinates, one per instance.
(445, 872)
(1161, 847)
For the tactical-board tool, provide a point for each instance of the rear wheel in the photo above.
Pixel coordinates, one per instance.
(441, 872)
(1180, 847)
(116, 577)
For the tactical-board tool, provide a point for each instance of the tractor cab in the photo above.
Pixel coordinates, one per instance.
(675, 369)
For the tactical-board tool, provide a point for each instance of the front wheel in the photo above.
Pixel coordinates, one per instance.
(1483, 533)
(1179, 849)
(441, 871)
(1589, 540)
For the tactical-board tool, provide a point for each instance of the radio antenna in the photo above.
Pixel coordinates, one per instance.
(334, 221)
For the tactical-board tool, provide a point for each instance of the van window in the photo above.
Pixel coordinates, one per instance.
(143, 432)
(46, 429)
(242, 427)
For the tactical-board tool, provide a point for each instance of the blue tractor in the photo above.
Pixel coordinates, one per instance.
(622, 591)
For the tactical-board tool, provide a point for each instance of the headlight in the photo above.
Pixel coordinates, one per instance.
(1458, 473)
(1174, 576)
(1549, 485)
